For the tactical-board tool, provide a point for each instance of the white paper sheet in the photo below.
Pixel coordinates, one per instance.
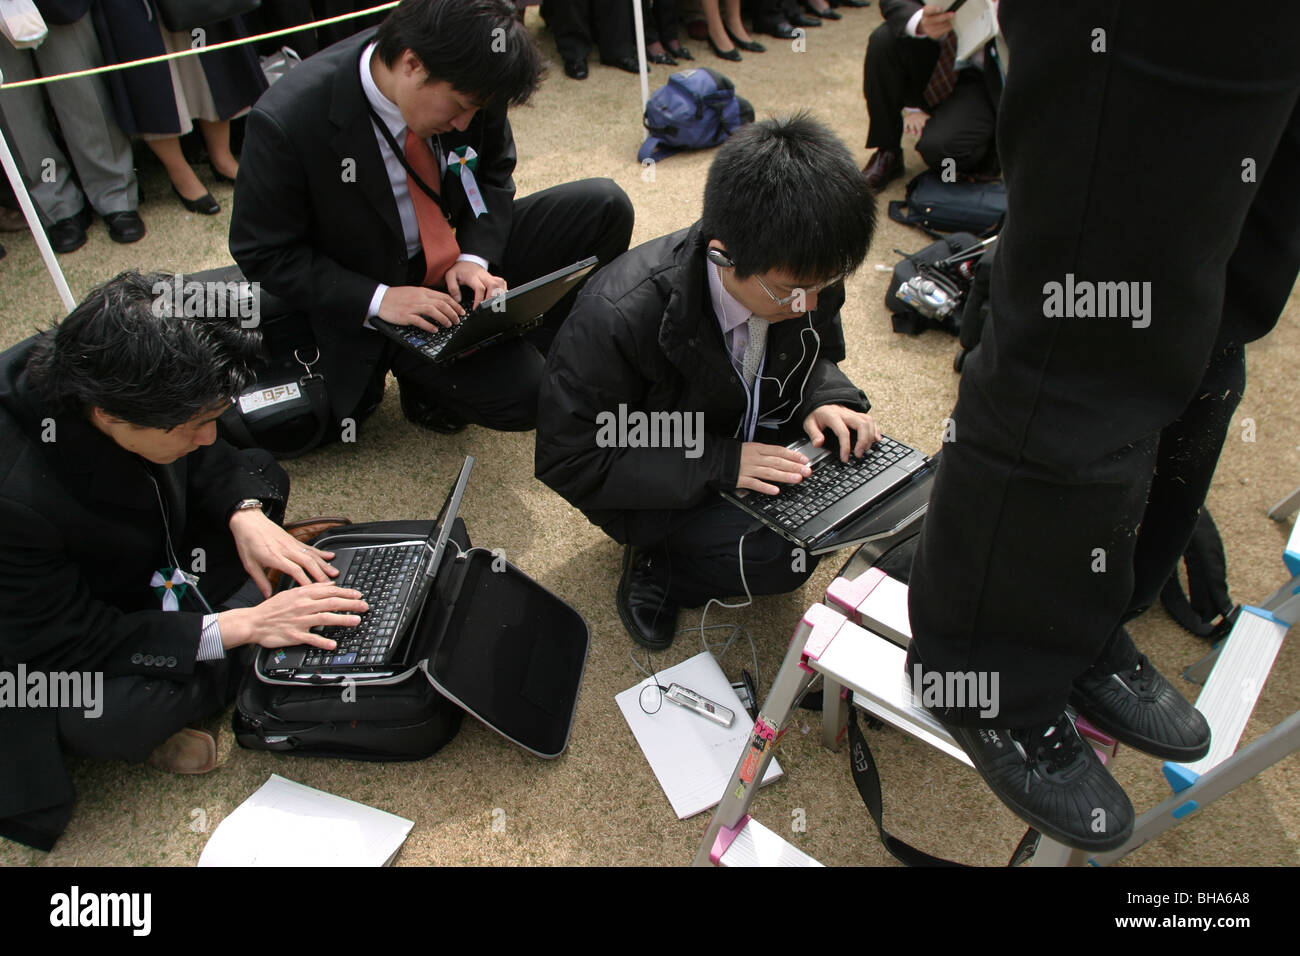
(288, 824)
(692, 757)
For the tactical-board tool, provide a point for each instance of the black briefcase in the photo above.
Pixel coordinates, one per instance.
(489, 641)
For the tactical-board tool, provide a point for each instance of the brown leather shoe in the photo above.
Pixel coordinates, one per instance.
(186, 751)
(309, 528)
(883, 168)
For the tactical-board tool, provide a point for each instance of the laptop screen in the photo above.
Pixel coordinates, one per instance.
(447, 516)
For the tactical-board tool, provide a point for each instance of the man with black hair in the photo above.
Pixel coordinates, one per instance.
(376, 180)
(733, 327)
(132, 547)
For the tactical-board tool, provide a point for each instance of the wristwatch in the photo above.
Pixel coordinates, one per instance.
(248, 504)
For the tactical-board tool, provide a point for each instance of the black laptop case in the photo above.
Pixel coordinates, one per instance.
(489, 641)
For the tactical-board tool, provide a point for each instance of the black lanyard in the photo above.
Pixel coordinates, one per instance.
(401, 158)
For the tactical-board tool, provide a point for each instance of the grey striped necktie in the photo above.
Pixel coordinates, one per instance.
(753, 350)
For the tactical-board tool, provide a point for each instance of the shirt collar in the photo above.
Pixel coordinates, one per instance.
(729, 310)
(384, 108)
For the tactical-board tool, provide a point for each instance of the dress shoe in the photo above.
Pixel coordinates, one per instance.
(856, 4)
(186, 751)
(69, 235)
(626, 63)
(1135, 704)
(204, 205)
(681, 52)
(575, 69)
(733, 55)
(803, 20)
(663, 59)
(826, 13)
(218, 175)
(749, 46)
(883, 168)
(781, 30)
(428, 415)
(124, 226)
(643, 602)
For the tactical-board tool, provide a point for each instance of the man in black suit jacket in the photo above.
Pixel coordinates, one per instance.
(324, 217)
(132, 546)
(956, 121)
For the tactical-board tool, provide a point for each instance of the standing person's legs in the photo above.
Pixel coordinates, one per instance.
(1260, 276)
(570, 24)
(98, 147)
(43, 164)
(1026, 562)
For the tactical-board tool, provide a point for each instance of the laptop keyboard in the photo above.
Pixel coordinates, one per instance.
(831, 481)
(379, 574)
(430, 343)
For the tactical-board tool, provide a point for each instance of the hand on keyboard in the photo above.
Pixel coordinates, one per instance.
(761, 464)
(413, 305)
(287, 617)
(472, 278)
(834, 423)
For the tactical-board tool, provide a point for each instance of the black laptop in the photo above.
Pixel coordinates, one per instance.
(816, 513)
(394, 579)
(495, 320)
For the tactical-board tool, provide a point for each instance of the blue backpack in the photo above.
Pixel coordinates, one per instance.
(695, 109)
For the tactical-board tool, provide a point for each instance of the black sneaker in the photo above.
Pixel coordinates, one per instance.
(643, 603)
(1048, 775)
(1137, 706)
(1052, 779)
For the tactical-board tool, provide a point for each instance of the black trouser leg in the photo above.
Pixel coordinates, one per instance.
(700, 553)
(962, 127)
(559, 226)
(614, 29)
(569, 21)
(894, 75)
(1026, 564)
(497, 387)
(140, 713)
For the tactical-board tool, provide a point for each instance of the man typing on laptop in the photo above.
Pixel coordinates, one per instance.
(688, 364)
(377, 180)
(133, 544)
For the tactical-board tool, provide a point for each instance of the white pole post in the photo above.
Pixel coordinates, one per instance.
(34, 222)
(640, 57)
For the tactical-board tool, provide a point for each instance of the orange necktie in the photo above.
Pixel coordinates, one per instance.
(440, 247)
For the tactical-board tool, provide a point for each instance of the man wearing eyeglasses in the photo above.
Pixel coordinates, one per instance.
(690, 362)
